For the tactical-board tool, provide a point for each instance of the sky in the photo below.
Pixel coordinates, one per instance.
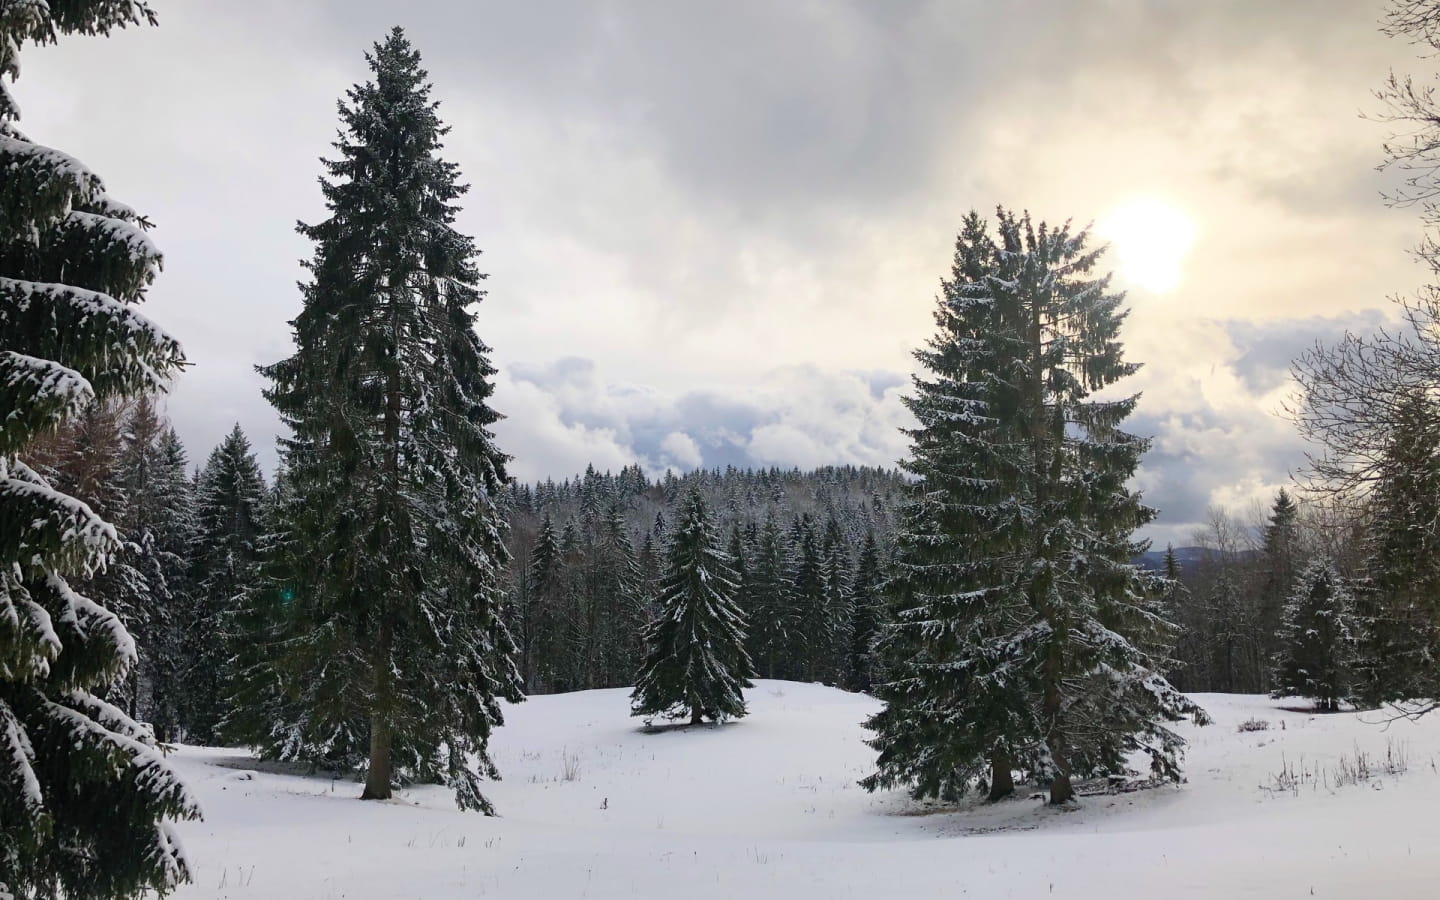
(714, 233)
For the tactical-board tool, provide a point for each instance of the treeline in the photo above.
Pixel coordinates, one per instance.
(200, 546)
(809, 550)
(1332, 598)
(189, 548)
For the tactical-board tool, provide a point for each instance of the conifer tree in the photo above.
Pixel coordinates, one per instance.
(615, 585)
(175, 527)
(868, 612)
(696, 663)
(771, 623)
(1399, 610)
(157, 523)
(813, 636)
(1278, 555)
(231, 497)
(86, 800)
(1317, 638)
(1023, 636)
(839, 604)
(539, 637)
(392, 541)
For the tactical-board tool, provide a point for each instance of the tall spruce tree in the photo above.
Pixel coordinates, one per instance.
(772, 618)
(1317, 638)
(696, 663)
(1023, 638)
(1399, 608)
(176, 528)
(230, 502)
(394, 544)
(1280, 564)
(867, 604)
(157, 524)
(73, 263)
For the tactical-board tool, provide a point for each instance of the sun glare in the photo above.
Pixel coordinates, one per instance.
(1150, 239)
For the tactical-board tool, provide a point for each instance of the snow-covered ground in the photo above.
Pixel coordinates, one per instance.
(767, 806)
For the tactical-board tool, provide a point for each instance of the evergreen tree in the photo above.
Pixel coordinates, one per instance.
(868, 612)
(85, 798)
(813, 636)
(696, 663)
(175, 527)
(1399, 609)
(1279, 564)
(1177, 605)
(1317, 643)
(158, 523)
(839, 605)
(393, 543)
(231, 496)
(539, 635)
(772, 616)
(615, 585)
(1023, 637)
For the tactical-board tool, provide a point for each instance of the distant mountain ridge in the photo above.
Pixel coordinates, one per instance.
(1188, 557)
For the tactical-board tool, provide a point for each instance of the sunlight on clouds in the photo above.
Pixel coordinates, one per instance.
(1151, 239)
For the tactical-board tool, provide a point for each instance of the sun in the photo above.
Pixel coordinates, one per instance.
(1150, 238)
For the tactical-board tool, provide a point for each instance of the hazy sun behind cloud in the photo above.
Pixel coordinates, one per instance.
(1150, 239)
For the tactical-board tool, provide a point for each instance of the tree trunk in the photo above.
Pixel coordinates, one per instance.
(377, 781)
(1002, 782)
(695, 715)
(1061, 791)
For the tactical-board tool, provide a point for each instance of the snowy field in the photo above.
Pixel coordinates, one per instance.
(768, 807)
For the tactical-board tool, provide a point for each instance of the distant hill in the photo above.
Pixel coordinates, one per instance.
(1187, 557)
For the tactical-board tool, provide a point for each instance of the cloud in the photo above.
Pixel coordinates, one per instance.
(715, 231)
(797, 416)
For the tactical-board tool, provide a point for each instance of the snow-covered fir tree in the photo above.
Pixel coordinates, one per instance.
(172, 519)
(696, 664)
(1279, 562)
(868, 613)
(86, 799)
(392, 546)
(1023, 636)
(772, 618)
(1317, 638)
(1398, 652)
(230, 504)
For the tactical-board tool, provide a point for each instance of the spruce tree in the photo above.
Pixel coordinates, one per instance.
(771, 623)
(158, 526)
(867, 603)
(696, 663)
(615, 584)
(1317, 638)
(839, 604)
(813, 636)
(392, 540)
(1023, 637)
(1278, 560)
(175, 528)
(1398, 652)
(230, 501)
(86, 800)
(539, 638)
